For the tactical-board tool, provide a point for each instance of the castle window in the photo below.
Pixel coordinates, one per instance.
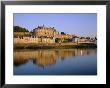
(22, 37)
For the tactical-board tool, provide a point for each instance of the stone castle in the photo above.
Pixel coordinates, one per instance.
(41, 34)
(49, 35)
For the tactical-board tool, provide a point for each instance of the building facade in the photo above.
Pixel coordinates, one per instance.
(41, 34)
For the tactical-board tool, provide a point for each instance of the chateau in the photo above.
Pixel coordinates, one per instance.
(48, 35)
(41, 34)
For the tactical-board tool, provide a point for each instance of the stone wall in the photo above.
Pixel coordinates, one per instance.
(34, 40)
(26, 40)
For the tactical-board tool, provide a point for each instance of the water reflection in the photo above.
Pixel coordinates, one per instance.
(44, 58)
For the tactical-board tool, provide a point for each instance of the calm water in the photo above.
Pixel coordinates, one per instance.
(55, 62)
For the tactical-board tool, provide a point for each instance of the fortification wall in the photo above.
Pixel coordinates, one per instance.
(33, 40)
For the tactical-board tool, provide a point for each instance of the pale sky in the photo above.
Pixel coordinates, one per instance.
(81, 24)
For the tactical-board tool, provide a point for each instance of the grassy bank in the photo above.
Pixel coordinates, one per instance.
(41, 46)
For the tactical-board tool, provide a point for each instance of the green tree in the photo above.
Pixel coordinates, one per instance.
(20, 29)
(57, 40)
(62, 33)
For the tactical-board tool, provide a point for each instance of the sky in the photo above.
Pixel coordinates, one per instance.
(80, 24)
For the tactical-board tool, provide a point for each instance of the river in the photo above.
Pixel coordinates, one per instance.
(55, 62)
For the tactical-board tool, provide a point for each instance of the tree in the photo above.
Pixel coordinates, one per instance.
(62, 33)
(57, 40)
(20, 29)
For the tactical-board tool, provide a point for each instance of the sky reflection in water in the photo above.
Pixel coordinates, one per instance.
(56, 62)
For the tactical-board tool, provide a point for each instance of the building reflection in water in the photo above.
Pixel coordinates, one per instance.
(48, 57)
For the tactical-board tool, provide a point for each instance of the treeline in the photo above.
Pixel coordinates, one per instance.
(20, 29)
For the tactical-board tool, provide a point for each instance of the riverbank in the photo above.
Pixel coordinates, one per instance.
(53, 46)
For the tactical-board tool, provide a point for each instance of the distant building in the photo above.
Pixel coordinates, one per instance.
(42, 31)
(43, 34)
